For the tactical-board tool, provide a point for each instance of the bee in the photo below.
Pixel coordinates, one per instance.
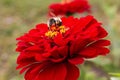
(54, 23)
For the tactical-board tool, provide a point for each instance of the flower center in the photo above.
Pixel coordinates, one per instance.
(53, 31)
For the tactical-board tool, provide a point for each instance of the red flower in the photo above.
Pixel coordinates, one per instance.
(75, 6)
(47, 54)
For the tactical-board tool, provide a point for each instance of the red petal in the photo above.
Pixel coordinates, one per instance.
(34, 70)
(25, 58)
(76, 45)
(24, 62)
(72, 72)
(42, 27)
(39, 57)
(91, 31)
(87, 21)
(59, 54)
(81, 24)
(23, 70)
(95, 49)
(59, 40)
(33, 48)
(89, 52)
(103, 50)
(102, 32)
(101, 43)
(76, 60)
(54, 72)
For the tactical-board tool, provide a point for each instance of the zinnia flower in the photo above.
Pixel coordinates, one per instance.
(69, 7)
(53, 52)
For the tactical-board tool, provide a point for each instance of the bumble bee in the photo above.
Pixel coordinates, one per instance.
(54, 23)
(55, 26)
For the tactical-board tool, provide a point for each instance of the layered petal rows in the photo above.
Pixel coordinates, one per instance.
(44, 58)
(68, 8)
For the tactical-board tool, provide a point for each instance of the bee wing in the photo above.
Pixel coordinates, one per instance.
(52, 14)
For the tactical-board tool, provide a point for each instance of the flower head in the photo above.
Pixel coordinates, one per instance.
(51, 52)
(69, 7)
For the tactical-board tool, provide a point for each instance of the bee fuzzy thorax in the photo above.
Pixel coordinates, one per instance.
(55, 21)
(55, 26)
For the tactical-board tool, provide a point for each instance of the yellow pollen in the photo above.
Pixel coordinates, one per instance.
(62, 29)
(53, 33)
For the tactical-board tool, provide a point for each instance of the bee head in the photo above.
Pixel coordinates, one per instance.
(55, 21)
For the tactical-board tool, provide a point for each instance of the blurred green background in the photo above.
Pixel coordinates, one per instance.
(18, 16)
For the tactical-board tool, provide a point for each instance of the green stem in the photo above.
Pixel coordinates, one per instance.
(114, 74)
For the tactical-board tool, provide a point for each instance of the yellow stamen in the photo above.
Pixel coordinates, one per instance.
(62, 29)
(53, 33)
